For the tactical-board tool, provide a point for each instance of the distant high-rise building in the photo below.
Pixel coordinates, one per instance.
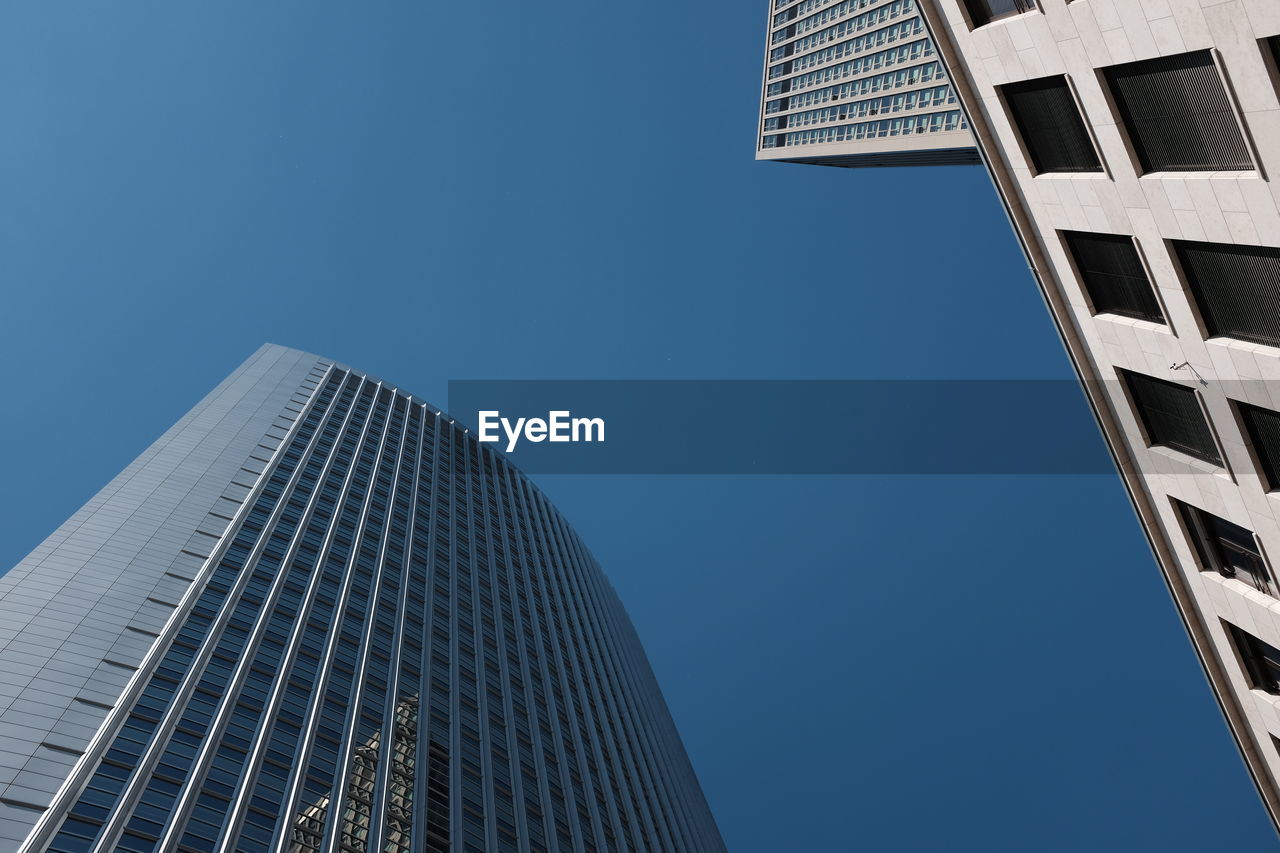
(857, 83)
(317, 615)
(1136, 146)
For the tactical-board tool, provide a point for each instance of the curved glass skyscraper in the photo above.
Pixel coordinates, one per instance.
(317, 615)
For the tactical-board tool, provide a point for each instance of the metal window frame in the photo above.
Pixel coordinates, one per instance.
(1237, 111)
(1007, 111)
(1166, 327)
(1271, 485)
(967, 14)
(1247, 658)
(1144, 432)
(1190, 523)
(1131, 148)
(1189, 294)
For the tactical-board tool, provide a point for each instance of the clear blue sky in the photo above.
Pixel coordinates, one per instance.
(435, 191)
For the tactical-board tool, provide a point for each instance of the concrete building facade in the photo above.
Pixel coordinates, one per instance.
(1135, 146)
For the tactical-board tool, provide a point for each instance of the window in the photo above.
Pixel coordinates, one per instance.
(1263, 429)
(1261, 661)
(1113, 275)
(985, 11)
(1226, 548)
(1177, 114)
(1171, 416)
(1050, 126)
(1236, 289)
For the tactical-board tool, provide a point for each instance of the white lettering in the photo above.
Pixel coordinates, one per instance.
(513, 435)
(559, 426)
(587, 424)
(487, 422)
(558, 422)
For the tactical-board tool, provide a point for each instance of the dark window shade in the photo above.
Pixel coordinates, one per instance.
(1227, 548)
(1263, 427)
(1171, 415)
(1236, 288)
(985, 11)
(1113, 275)
(1050, 126)
(1177, 114)
(1261, 660)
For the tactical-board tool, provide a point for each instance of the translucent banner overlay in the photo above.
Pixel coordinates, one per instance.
(787, 427)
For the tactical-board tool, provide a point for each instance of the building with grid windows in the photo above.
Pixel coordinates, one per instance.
(1136, 148)
(317, 615)
(857, 83)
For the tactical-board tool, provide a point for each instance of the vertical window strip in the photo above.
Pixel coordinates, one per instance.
(307, 805)
(269, 765)
(246, 701)
(636, 740)
(142, 729)
(613, 742)
(346, 762)
(367, 747)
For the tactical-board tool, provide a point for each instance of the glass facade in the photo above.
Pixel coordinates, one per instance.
(397, 645)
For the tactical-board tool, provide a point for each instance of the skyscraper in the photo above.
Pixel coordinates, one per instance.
(857, 83)
(317, 615)
(1135, 147)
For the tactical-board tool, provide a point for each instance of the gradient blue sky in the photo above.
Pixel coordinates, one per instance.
(437, 191)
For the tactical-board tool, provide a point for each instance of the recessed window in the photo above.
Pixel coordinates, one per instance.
(1261, 660)
(1052, 131)
(1113, 275)
(1236, 288)
(1177, 114)
(985, 11)
(1263, 429)
(1226, 548)
(1171, 416)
